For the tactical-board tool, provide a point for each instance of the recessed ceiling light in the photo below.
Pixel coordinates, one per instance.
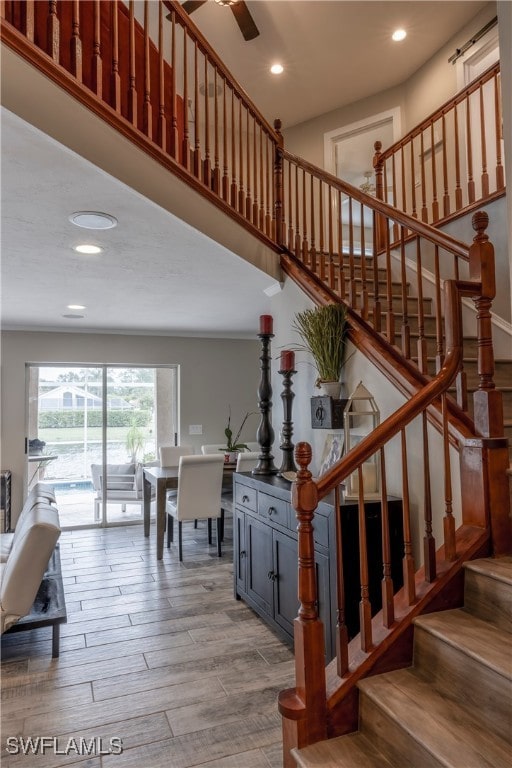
(398, 35)
(93, 220)
(76, 306)
(277, 69)
(88, 249)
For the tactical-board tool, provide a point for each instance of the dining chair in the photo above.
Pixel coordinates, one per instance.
(198, 497)
(247, 461)
(214, 448)
(170, 455)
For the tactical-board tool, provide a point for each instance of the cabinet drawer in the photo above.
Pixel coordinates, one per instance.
(274, 510)
(245, 496)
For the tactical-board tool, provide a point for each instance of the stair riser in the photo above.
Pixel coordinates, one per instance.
(429, 323)
(488, 598)
(459, 677)
(399, 747)
(412, 305)
(470, 346)
(502, 373)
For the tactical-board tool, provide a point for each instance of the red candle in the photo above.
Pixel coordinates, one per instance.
(287, 360)
(266, 324)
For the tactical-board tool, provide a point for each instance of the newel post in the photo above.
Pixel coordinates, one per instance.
(380, 221)
(484, 460)
(278, 185)
(304, 707)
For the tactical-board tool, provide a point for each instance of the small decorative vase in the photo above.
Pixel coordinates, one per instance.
(331, 389)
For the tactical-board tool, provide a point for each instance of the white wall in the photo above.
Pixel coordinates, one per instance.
(505, 30)
(214, 374)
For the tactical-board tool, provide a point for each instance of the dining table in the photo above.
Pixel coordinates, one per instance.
(157, 481)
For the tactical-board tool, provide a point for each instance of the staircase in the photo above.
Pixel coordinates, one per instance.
(453, 707)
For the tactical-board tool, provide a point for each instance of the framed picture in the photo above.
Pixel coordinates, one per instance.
(333, 449)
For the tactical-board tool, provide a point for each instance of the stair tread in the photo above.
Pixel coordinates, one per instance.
(496, 568)
(476, 637)
(341, 752)
(440, 725)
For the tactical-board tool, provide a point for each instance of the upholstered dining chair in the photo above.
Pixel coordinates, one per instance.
(214, 448)
(170, 455)
(198, 497)
(247, 461)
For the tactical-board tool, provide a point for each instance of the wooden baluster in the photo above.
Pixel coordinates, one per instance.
(402, 163)
(341, 263)
(332, 274)
(485, 175)
(216, 160)
(234, 185)
(175, 139)
(458, 188)
(298, 245)
(3, 14)
(388, 606)
(76, 43)
(53, 32)
(448, 520)
(469, 150)
(162, 124)
(424, 209)
(352, 291)
(488, 403)
(185, 159)
(97, 64)
(341, 626)
(364, 299)
(278, 185)
(435, 204)
(413, 181)
(439, 312)
(241, 190)
(248, 197)
(461, 384)
(27, 19)
(390, 315)
(115, 76)
(261, 222)
(312, 249)
(408, 561)
(255, 205)
(291, 245)
(365, 608)
(500, 177)
(269, 161)
(196, 167)
(446, 196)
(377, 317)
(422, 342)
(406, 330)
(207, 165)
(395, 225)
(310, 690)
(225, 168)
(147, 107)
(132, 88)
(321, 230)
(429, 542)
(305, 246)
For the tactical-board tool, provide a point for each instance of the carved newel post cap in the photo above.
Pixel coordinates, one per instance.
(303, 455)
(277, 124)
(480, 222)
(377, 146)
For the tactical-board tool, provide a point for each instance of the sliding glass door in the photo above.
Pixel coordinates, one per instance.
(90, 431)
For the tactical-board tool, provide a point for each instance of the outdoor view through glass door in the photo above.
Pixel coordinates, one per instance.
(91, 429)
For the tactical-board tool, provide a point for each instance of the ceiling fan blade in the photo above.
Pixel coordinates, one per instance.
(244, 20)
(192, 5)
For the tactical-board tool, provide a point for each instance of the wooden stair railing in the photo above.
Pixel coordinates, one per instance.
(145, 68)
(323, 705)
(450, 162)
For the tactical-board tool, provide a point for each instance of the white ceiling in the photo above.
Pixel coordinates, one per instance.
(155, 274)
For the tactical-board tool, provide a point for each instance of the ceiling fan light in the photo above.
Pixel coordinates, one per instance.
(226, 2)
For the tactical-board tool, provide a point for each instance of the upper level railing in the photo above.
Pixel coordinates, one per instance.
(452, 160)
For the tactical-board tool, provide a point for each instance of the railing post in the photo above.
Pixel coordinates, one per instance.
(278, 185)
(485, 460)
(304, 707)
(378, 166)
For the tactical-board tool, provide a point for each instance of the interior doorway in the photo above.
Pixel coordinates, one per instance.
(90, 431)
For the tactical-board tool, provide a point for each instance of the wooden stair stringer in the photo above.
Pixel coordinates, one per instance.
(387, 358)
(393, 647)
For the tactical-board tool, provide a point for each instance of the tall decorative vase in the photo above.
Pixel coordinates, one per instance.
(265, 433)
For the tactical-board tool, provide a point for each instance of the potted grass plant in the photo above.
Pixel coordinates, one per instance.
(323, 332)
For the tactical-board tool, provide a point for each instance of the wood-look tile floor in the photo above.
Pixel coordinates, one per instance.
(157, 654)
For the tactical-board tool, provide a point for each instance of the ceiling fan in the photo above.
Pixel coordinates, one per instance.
(240, 11)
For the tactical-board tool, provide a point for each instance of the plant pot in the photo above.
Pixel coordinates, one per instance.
(231, 457)
(331, 388)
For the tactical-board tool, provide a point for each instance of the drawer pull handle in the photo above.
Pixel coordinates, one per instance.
(245, 499)
(272, 511)
(272, 576)
(243, 553)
